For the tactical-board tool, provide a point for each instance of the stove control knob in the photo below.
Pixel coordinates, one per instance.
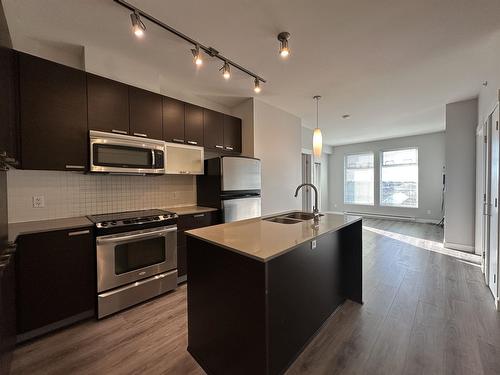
(156, 218)
(113, 222)
(104, 224)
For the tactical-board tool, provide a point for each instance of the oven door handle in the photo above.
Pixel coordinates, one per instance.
(159, 233)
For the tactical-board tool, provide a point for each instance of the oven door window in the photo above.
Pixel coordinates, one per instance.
(122, 156)
(132, 256)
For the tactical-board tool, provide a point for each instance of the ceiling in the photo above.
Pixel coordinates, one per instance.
(391, 64)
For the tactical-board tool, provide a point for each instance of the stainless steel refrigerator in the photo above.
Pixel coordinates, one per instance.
(233, 185)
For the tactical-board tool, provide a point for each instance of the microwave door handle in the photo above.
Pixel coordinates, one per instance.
(153, 158)
(115, 239)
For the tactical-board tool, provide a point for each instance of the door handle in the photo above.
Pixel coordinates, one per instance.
(178, 140)
(141, 135)
(120, 238)
(119, 131)
(199, 215)
(219, 146)
(69, 166)
(229, 148)
(79, 233)
(192, 142)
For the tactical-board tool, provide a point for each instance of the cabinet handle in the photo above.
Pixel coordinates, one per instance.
(229, 148)
(184, 172)
(178, 140)
(119, 131)
(199, 215)
(11, 248)
(78, 233)
(75, 167)
(219, 146)
(141, 135)
(192, 142)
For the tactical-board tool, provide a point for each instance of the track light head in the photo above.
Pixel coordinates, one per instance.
(197, 55)
(257, 88)
(226, 70)
(138, 27)
(284, 49)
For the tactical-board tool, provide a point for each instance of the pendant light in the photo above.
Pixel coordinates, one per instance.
(317, 137)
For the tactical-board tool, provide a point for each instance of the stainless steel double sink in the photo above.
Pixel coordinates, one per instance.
(292, 218)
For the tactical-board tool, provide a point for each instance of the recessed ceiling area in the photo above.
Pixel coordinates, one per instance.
(392, 65)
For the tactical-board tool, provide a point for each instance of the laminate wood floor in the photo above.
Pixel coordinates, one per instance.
(424, 313)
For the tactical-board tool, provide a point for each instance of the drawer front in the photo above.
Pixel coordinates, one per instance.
(199, 220)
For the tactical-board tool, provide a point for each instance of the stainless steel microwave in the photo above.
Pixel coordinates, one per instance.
(117, 153)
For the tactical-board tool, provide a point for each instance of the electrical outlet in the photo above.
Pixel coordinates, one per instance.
(313, 244)
(429, 212)
(38, 201)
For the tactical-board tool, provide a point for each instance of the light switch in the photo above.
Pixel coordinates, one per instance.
(38, 201)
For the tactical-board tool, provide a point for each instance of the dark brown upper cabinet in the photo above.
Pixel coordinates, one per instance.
(108, 105)
(145, 113)
(232, 134)
(9, 114)
(173, 120)
(213, 129)
(53, 115)
(194, 124)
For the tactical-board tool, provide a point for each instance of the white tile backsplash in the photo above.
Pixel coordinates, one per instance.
(69, 194)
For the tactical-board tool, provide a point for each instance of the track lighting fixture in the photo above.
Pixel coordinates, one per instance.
(257, 88)
(284, 49)
(226, 70)
(138, 26)
(197, 55)
(139, 29)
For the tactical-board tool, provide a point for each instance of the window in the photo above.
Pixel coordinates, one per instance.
(358, 179)
(399, 178)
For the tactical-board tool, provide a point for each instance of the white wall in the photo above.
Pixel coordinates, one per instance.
(461, 123)
(489, 95)
(278, 143)
(431, 155)
(307, 135)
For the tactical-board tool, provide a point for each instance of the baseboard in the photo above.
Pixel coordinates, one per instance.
(428, 221)
(457, 246)
(391, 217)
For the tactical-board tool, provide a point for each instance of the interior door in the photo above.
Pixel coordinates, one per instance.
(494, 181)
(484, 148)
(480, 197)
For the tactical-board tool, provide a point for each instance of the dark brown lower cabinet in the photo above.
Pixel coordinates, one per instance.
(187, 222)
(7, 311)
(55, 273)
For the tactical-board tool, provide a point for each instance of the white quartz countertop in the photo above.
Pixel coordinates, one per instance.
(264, 240)
(30, 227)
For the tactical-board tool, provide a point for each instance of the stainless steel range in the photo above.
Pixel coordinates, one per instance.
(136, 257)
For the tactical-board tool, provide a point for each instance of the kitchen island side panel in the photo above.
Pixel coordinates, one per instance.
(351, 238)
(304, 289)
(226, 310)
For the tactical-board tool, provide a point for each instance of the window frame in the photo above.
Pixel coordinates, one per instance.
(381, 160)
(372, 153)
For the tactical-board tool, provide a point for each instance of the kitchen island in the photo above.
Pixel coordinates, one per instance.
(259, 290)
